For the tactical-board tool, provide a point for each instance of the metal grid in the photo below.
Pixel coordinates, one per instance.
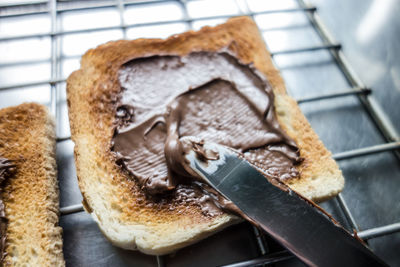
(356, 87)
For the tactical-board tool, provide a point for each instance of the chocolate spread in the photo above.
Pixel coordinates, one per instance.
(7, 168)
(211, 96)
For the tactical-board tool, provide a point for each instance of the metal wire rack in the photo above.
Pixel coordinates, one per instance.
(356, 88)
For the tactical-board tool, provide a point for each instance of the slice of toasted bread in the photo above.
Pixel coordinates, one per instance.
(30, 196)
(115, 201)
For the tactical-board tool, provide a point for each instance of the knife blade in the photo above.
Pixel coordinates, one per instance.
(296, 223)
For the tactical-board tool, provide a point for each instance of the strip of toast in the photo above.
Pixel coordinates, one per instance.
(27, 139)
(114, 200)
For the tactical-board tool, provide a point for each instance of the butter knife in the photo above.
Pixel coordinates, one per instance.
(296, 223)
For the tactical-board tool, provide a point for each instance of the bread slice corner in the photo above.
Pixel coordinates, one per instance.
(30, 196)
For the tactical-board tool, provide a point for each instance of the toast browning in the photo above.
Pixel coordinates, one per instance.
(116, 202)
(30, 195)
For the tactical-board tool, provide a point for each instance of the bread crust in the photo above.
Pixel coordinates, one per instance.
(31, 195)
(115, 200)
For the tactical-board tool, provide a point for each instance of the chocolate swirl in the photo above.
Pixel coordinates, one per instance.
(211, 96)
